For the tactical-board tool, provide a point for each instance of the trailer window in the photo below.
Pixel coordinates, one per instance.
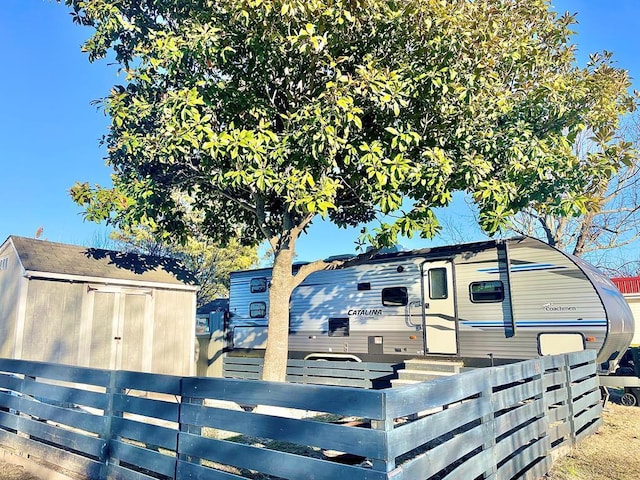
(395, 296)
(438, 284)
(485, 292)
(258, 285)
(338, 327)
(257, 310)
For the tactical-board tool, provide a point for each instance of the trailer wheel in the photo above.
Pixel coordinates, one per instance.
(629, 399)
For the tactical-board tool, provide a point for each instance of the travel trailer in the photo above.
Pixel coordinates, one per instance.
(489, 302)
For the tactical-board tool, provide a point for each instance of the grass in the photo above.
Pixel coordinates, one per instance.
(613, 453)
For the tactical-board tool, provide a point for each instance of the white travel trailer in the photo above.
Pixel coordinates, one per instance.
(495, 301)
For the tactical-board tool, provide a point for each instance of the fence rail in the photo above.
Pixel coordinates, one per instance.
(500, 423)
(337, 373)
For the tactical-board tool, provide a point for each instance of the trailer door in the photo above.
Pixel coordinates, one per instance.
(439, 328)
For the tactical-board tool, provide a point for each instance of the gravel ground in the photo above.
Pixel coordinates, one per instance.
(14, 472)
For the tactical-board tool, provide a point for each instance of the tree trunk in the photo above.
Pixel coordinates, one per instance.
(282, 284)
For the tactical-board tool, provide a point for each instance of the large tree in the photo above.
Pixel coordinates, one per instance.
(210, 263)
(268, 113)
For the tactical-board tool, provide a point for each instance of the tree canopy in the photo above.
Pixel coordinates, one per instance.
(268, 113)
(612, 219)
(210, 263)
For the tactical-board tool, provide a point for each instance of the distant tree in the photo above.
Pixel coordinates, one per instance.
(611, 219)
(268, 113)
(210, 263)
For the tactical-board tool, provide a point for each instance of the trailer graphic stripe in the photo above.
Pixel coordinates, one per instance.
(525, 268)
(539, 323)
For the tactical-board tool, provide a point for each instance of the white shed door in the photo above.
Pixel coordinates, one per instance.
(118, 329)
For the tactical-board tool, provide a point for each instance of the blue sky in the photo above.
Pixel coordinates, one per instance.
(50, 132)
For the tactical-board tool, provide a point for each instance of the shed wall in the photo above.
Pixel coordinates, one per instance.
(10, 279)
(52, 318)
(173, 332)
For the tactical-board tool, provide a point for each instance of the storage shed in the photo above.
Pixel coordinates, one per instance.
(630, 288)
(96, 308)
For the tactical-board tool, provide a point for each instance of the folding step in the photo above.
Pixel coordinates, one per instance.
(422, 375)
(451, 367)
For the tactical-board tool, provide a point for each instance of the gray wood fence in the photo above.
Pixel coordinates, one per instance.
(337, 373)
(500, 423)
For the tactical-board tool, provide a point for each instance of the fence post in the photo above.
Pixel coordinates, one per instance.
(488, 424)
(388, 463)
(186, 428)
(544, 398)
(109, 413)
(571, 415)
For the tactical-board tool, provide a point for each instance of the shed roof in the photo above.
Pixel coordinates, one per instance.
(75, 261)
(627, 285)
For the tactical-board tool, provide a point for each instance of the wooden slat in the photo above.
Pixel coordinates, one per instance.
(562, 430)
(117, 472)
(576, 358)
(556, 396)
(587, 416)
(587, 401)
(10, 382)
(516, 372)
(341, 365)
(533, 453)
(72, 418)
(519, 438)
(325, 372)
(86, 467)
(147, 407)
(143, 458)
(411, 399)
(271, 462)
(63, 438)
(319, 398)
(243, 375)
(433, 461)
(556, 414)
(537, 470)
(8, 400)
(552, 362)
(151, 382)
(407, 437)
(516, 394)
(358, 441)
(243, 360)
(510, 420)
(339, 373)
(589, 430)
(585, 371)
(191, 471)
(62, 394)
(51, 371)
(553, 379)
(473, 468)
(144, 432)
(339, 382)
(583, 387)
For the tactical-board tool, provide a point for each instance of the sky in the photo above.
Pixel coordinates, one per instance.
(50, 131)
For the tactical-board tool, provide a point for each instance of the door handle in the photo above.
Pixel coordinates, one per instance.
(117, 338)
(413, 304)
